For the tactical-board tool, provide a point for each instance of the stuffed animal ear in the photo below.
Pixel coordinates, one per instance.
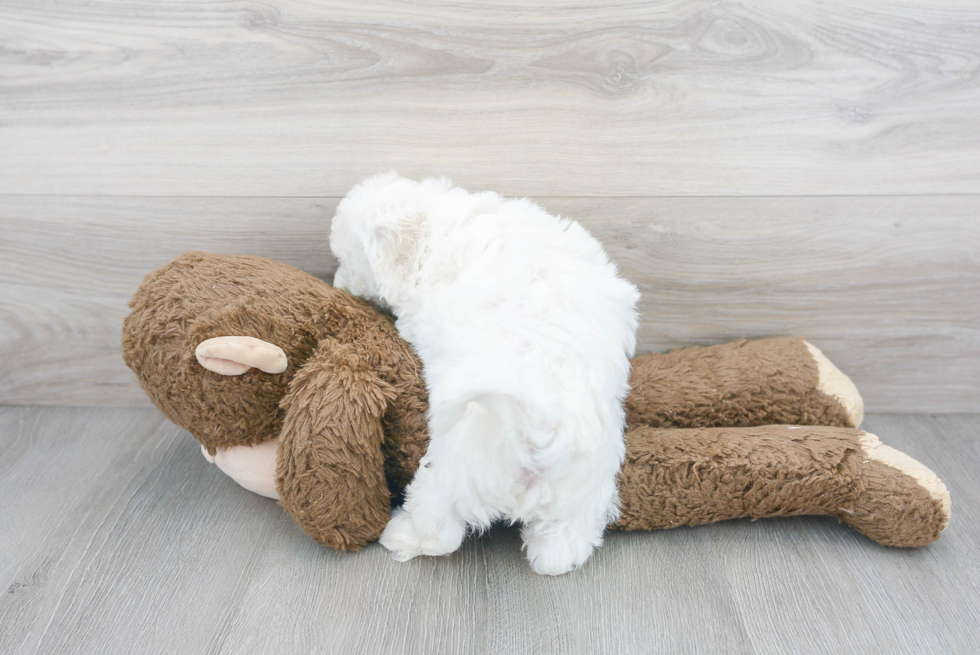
(233, 355)
(330, 467)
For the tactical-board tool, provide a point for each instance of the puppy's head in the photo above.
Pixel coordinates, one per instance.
(376, 236)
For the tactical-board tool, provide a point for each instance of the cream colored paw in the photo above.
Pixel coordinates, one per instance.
(835, 384)
(922, 474)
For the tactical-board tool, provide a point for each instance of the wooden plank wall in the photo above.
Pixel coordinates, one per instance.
(757, 168)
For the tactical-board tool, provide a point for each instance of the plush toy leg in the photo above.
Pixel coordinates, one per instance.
(901, 502)
(678, 477)
(744, 383)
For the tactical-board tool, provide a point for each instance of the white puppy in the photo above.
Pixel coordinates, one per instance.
(525, 331)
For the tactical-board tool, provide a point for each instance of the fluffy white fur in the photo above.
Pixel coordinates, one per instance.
(525, 330)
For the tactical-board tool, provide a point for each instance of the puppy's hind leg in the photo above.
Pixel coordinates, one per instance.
(564, 535)
(450, 489)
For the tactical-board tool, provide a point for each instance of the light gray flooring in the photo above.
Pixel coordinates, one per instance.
(117, 537)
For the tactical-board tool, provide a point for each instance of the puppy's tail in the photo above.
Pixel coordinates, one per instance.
(478, 438)
(479, 420)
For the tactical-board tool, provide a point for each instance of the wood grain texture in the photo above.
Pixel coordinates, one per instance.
(122, 539)
(887, 287)
(785, 574)
(295, 98)
(68, 266)
(107, 545)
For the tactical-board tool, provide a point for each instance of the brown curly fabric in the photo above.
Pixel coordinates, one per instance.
(737, 384)
(674, 477)
(201, 295)
(893, 509)
(330, 467)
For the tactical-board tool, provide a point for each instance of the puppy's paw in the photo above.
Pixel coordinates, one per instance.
(552, 552)
(400, 537)
(407, 537)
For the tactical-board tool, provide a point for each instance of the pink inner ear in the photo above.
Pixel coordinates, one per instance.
(222, 366)
(234, 355)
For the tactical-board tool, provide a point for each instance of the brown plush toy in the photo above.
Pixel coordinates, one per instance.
(302, 392)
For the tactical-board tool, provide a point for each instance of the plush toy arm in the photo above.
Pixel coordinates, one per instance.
(330, 467)
(674, 477)
(744, 383)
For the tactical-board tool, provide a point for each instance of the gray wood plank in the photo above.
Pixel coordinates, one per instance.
(110, 542)
(361, 602)
(887, 286)
(689, 97)
(641, 593)
(69, 265)
(121, 539)
(809, 581)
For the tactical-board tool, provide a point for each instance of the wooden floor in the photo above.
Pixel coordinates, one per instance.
(122, 539)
